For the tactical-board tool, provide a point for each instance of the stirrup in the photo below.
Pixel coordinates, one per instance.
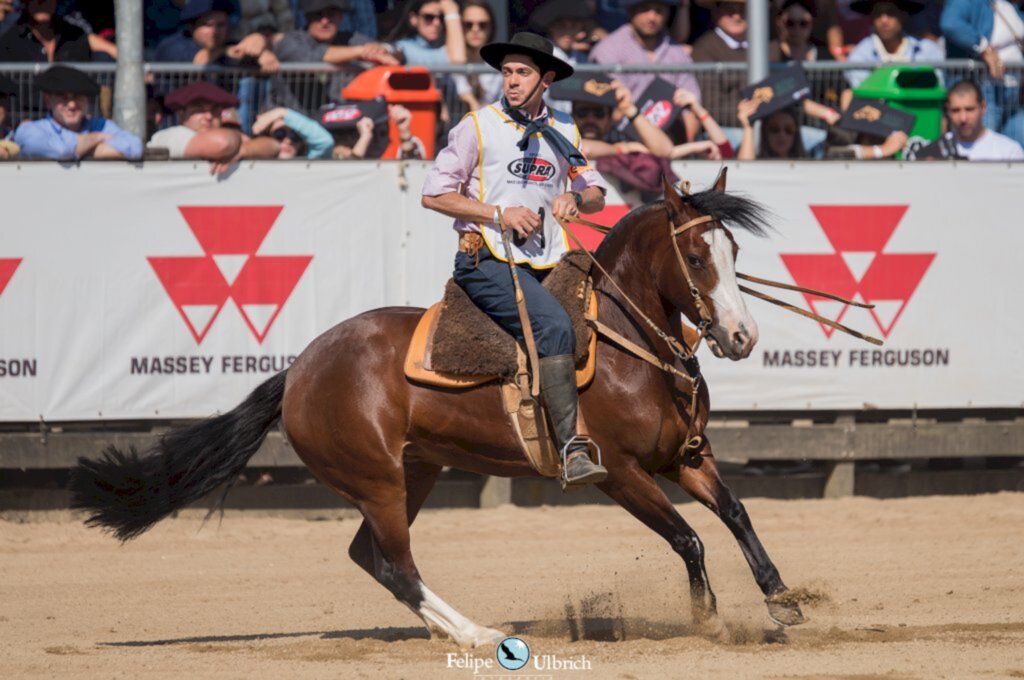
(576, 439)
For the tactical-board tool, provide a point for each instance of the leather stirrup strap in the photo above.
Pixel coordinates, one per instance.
(524, 316)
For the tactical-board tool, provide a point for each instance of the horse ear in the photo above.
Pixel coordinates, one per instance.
(720, 182)
(672, 197)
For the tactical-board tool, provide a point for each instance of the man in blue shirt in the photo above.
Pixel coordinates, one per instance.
(69, 133)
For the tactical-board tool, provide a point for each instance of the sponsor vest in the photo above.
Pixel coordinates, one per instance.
(533, 179)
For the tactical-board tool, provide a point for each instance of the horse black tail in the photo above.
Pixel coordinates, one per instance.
(127, 494)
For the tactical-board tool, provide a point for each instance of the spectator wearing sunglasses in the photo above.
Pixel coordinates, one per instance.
(434, 34)
(478, 89)
(603, 109)
(323, 41)
(889, 42)
(298, 136)
(793, 22)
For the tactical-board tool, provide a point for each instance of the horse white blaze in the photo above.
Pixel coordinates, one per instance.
(441, 618)
(734, 332)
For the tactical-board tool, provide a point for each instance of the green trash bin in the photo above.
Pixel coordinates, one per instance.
(912, 88)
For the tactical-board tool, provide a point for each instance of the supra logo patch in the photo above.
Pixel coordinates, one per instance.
(532, 169)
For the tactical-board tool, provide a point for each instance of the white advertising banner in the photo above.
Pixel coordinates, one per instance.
(161, 292)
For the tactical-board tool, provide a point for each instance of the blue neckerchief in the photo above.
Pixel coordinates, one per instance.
(562, 146)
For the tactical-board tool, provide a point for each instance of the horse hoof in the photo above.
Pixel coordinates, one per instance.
(785, 614)
(484, 637)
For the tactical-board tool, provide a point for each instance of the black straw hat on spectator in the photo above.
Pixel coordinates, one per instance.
(7, 86)
(530, 45)
(197, 8)
(908, 6)
(552, 10)
(60, 79)
(315, 6)
(591, 88)
(199, 91)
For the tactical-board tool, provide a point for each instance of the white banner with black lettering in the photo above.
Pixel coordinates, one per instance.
(163, 292)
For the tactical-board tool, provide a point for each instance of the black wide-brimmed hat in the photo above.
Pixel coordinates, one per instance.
(531, 45)
(60, 79)
(546, 14)
(908, 6)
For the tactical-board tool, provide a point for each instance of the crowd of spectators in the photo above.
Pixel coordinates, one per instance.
(260, 114)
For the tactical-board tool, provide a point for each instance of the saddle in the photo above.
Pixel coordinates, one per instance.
(457, 346)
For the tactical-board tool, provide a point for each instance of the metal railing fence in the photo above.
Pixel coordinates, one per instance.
(308, 86)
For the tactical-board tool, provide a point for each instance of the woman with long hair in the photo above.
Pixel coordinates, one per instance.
(477, 89)
(780, 134)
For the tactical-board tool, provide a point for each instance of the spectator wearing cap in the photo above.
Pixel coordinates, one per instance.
(601, 108)
(297, 134)
(40, 35)
(477, 89)
(322, 41)
(645, 40)
(434, 34)
(726, 42)
(200, 134)
(8, 149)
(68, 132)
(203, 39)
(888, 42)
(993, 31)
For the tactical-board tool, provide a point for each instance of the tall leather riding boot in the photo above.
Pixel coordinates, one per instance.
(561, 400)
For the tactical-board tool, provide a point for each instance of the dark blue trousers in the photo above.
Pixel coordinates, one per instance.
(490, 286)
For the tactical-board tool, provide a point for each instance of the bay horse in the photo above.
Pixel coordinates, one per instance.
(380, 440)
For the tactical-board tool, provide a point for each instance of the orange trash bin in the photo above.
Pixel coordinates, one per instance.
(412, 87)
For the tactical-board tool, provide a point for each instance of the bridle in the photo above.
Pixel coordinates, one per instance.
(685, 354)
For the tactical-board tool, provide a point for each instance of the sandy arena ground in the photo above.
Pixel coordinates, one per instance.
(919, 588)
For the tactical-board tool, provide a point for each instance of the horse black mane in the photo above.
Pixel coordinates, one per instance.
(733, 210)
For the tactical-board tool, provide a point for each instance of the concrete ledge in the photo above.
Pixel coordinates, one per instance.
(839, 441)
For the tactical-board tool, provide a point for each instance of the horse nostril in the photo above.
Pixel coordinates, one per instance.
(740, 338)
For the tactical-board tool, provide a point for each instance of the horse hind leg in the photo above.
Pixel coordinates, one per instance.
(381, 547)
(700, 479)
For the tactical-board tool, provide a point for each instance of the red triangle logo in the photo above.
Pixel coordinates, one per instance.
(197, 285)
(192, 282)
(267, 282)
(889, 281)
(7, 268)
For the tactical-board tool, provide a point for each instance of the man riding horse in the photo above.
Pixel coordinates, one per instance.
(512, 161)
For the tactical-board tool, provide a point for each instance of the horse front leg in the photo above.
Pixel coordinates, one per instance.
(700, 478)
(636, 491)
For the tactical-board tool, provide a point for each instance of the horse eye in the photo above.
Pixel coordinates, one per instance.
(694, 261)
